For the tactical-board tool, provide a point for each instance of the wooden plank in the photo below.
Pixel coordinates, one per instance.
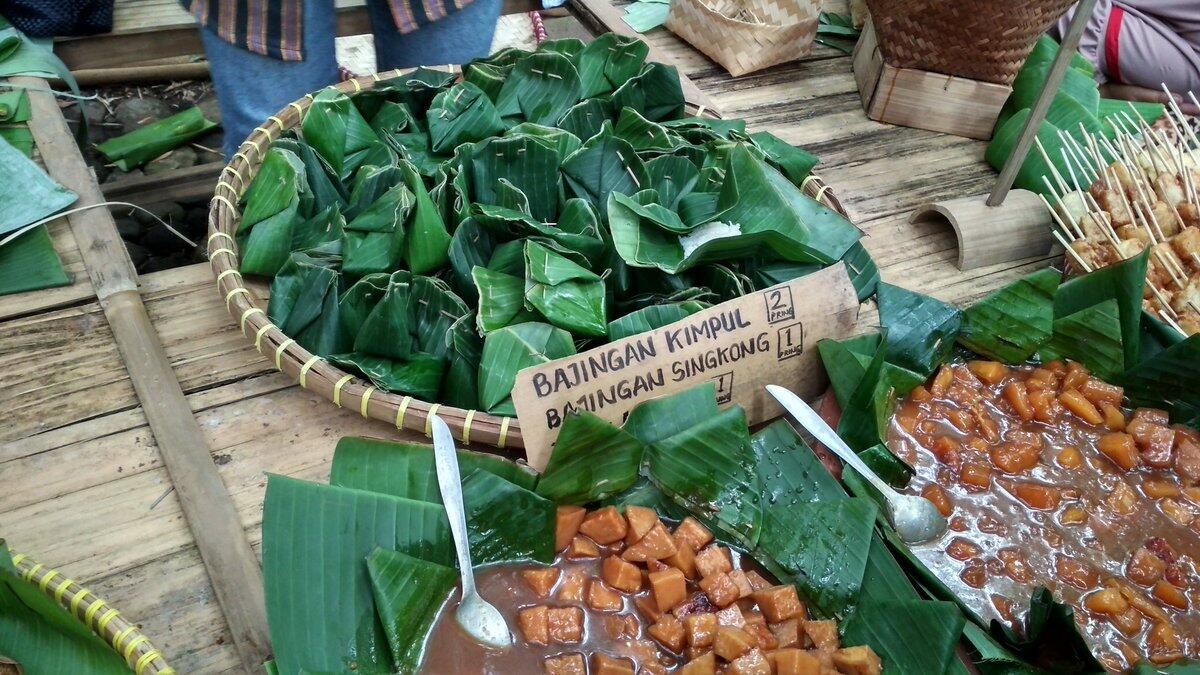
(187, 184)
(231, 565)
(169, 33)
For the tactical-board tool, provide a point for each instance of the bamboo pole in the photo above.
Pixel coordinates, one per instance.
(231, 564)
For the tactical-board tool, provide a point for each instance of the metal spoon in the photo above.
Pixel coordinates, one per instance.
(477, 616)
(916, 519)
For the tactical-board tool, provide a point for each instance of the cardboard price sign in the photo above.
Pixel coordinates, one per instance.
(766, 337)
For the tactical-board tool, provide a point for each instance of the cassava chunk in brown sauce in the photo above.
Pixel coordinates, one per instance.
(628, 594)
(1048, 481)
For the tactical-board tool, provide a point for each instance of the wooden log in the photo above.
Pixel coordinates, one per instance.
(167, 72)
(987, 235)
(604, 16)
(231, 564)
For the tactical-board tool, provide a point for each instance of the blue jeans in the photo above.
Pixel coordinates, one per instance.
(250, 87)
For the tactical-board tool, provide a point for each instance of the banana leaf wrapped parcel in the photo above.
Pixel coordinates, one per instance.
(437, 234)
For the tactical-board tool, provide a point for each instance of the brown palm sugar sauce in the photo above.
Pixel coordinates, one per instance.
(627, 595)
(1047, 481)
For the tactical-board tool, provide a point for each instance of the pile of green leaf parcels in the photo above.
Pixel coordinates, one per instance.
(1096, 319)
(438, 235)
(28, 260)
(1076, 113)
(356, 570)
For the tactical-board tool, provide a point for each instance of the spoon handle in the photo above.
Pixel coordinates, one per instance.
(450, 483)
(810, 420)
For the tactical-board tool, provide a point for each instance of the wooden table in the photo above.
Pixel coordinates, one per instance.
(82, 485)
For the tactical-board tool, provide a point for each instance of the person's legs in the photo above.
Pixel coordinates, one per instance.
(250, 87)
(453, 39)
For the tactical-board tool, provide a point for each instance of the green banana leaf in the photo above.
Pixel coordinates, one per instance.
(336, 130)
(795, 163)
(824, 545)
(1123, 282)
(540, 88)
(19, 136)
(1149, 112)
(608, 62)
(920, 330)
(592, 460)
(506, 522)
(709, 468)
(655, 316)
(1010, 324)
(501, 299)
(407, 470)
(271, 212)
(1168, 380)
(513, 348)
(315, 540)
(792, 474)
(646, 15)
(374, 240)
(654, 93)
(304, 301)
(887, 625)
(30, 263)
(462, 114)
(14, 106)
(427, 242)
(566, 294)
(141, 145)
(408, 594)
(40, 636)
(1090, 336)
(27, 194)
(604, 164)
(526, 163)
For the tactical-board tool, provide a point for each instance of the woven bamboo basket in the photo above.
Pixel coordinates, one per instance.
(980, 40)
(105, 621)
(247, 301)
(746, 35)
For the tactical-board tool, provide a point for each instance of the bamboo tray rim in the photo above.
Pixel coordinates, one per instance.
(122, 636)
(313, 372)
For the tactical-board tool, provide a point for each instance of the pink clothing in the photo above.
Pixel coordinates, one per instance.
(1155, 42)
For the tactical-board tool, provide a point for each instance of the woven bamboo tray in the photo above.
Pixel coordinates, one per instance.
(247, 302)
(105, 621)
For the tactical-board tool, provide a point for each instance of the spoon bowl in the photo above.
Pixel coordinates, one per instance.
(482, 621)
(915, 519)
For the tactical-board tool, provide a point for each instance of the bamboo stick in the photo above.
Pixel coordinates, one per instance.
(231, 564)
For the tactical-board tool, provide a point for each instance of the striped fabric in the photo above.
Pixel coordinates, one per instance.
(273, 27)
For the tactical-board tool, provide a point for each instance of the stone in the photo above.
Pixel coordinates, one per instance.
(116, 175)
(208, 105)
(130, 229)
(172, 212)
(161, 241)
(179, 158)
(195, 221)
(134, 113)
(213, 140)
(137, 253)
